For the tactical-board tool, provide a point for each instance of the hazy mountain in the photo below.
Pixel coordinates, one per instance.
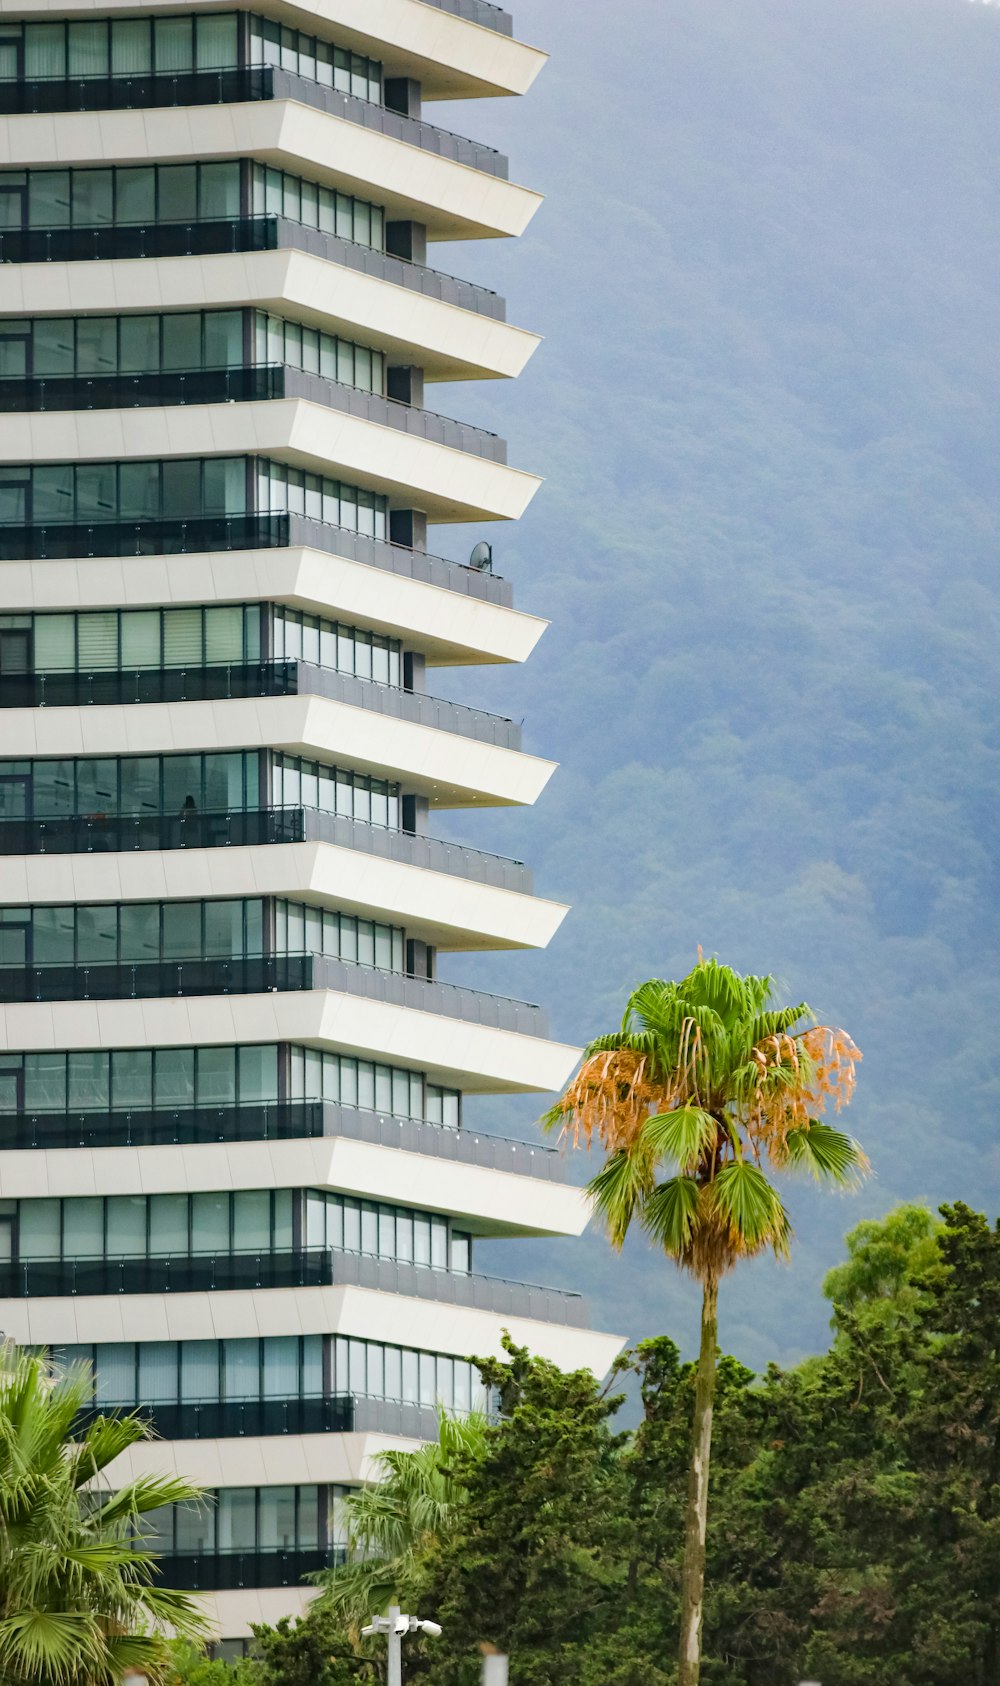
(767, 410)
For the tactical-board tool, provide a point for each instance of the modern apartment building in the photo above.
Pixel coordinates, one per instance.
(233, 1167)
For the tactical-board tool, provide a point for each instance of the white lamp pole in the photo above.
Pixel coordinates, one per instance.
(394, 1624)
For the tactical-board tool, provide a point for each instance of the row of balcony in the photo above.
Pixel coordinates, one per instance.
(39, 541)
(226, 681)
(114, 833)
(296, 1268)
(145, 980)
(229, 1571)
(234, 1419)
(243, 386)
(236, 86)
(279, 1121)
(241, 234)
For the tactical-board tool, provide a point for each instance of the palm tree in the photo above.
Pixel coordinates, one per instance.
(408, 1506)
(710, 1082)
(78, 1606)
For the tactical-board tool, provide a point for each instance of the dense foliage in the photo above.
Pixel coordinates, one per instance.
(855, 1526)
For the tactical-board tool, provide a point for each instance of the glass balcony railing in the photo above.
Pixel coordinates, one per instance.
(256, 974)
(278, 1121)
(112, 833)
(226, 681)
(242, 386)
(238, 86)
(297, 1268)
(241, 234)
(229, 1570)
(478, 11)
(218, 1419)
(37, 541)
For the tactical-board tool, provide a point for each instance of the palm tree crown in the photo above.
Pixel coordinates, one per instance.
(708, 1079)
(78, 1603)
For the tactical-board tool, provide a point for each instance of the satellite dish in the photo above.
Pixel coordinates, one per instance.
(482, 557)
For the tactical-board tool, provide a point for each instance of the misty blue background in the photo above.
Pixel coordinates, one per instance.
(766, 408)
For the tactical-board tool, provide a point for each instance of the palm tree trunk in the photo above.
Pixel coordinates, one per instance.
(696, 1518)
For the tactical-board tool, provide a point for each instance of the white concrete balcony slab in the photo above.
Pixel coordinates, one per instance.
(447, 342)
(447, 484)
(453, 201)
(451, 913)
(449, 628)
(452, 57)
(488, 1202)
(477, 1058)
(452, 771)
(397, 1319)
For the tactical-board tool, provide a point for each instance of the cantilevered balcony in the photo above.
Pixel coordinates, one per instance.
(144, 980)
(237, 86)
(297, 1268)
(242, 234)
(279, 1121)
(242, 386)
(104, 833)
(254, 679)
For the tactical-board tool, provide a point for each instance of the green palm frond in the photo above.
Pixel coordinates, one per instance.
(751, 1209)
(827, 1154)
(620, 1187)
(670, 1215)
(683, 1135)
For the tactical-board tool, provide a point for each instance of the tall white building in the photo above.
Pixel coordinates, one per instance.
(233, 1169)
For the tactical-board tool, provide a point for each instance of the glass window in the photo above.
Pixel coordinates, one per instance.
(139, 938)
(96, 936)
(45, 1082)
(216, 1076)
(223, 336)
(97, 640)
(44, 50)
(139, 491)
(251, 1220)
(96, 345)
(93, 198)
(158, 1367)
(55, 643)
(182, 340)
(277, 1519)
(52, 343)
(139, 341)
(258, 1074)
(181, 930)
(48, 199)
(220, 191)
(236, 1518)
(210, 1223)
(241, 1368)
(281, 1367)
(199, 1370)
(168, 1224)
(225, 486)
(177, 184)
(135, 194)
(96, 491)
(173, 1077)
(173, 44)
(83, 1228)
(89, 1082)
(140, 784)
(131, 1071)
(38, 1229)
(140, 638)
(115, 1373)
(131, 51)
(217, 42)
(88, 49)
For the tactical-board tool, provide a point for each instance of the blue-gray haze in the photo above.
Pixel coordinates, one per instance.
(766, 408)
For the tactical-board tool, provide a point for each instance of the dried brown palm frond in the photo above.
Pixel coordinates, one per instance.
(610, 1099)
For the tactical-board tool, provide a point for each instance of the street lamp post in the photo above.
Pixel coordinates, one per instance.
(394, 1624)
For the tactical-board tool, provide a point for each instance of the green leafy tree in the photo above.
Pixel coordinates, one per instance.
(535, 1560)
(402, 1514)
(710, 1082)
(78, 1601)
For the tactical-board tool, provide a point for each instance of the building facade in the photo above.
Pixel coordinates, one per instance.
(233, 1169)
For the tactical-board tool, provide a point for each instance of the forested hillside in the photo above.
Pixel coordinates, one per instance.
(767, 273)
